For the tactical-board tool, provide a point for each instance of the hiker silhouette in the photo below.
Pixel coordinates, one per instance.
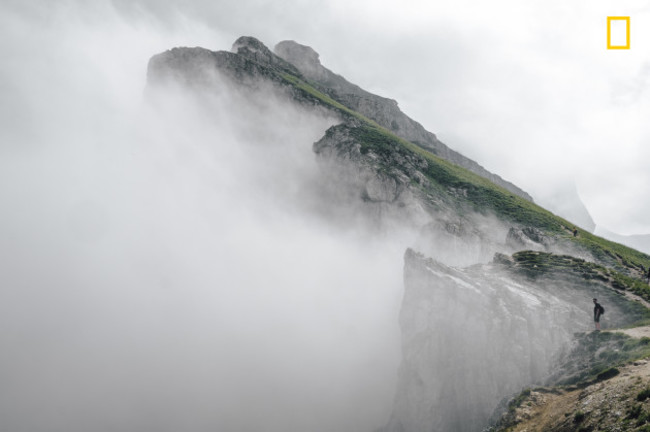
(598, 311)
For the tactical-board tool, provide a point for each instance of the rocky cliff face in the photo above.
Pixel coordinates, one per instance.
(251, 61)
(393, 185)
(385, 181)
(384, 111)
(380, 154)
(471, 337)
(613, 403)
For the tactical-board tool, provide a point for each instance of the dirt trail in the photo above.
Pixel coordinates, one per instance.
(634, 297)
(636, 332)
(601, 406)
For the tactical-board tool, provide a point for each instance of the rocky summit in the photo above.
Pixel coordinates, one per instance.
(303, 62)
(497, 290)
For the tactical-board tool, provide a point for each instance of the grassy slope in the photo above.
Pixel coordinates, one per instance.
(604, 351)
(534, 264)
(482, 195)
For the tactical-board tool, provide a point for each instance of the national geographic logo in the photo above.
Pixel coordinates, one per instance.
(618, 32)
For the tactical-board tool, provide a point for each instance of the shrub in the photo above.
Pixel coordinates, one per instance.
(516, 402)
(643, 395)
(609, 373)
(634, 412)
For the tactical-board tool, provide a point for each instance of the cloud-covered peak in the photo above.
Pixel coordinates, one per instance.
(302, 56)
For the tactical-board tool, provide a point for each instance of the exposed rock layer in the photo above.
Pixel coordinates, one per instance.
(471, 337)
(251, 60)
(382, 110)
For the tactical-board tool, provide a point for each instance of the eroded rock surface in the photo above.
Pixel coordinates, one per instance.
(473, 336)
(383, 110)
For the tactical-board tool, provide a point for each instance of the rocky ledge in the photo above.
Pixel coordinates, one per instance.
(472, 337)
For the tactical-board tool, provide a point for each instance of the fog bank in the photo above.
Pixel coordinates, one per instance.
(164, 267)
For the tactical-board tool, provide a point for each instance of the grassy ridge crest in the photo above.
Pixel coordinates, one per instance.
(481, 194)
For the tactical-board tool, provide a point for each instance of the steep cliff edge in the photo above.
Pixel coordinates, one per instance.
(382, 110)
(473, 336)
(611, 397)
(250, 58)
(391, 176)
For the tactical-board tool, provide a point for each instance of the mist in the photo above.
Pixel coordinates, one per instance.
(175, 260)
(165, 262)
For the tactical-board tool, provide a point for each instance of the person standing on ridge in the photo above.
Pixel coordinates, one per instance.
(575, 232)
(598, 311)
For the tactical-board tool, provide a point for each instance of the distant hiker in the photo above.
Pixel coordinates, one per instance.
(575, 232)
(648, 275)
(598, 311)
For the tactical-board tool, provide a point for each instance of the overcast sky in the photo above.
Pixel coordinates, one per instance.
(527, 89)
(132, 251)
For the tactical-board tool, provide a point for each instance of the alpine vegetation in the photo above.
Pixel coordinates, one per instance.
(246, 248)
(470, 337)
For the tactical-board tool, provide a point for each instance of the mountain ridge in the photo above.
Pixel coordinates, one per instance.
(462, 218)
(447, 191)
(383, 110)
(506, 325)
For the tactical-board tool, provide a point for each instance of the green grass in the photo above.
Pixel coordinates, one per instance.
(643, 395)
(517, 401)
(601, 353)
(480, 194)
(607, 374)
(534, 264)
(485, 197)
(635, 412)
(311, 91)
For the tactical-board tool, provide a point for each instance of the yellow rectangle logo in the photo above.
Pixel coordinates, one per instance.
(618, 32)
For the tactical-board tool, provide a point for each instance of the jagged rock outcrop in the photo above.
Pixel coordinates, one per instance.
(254, 50)
(379, 185)
(472, 336)
(251, 62)
(616, 402)
(250, 68)
(365, 169)
(307, 61)
(528, 238)
(384, 111)
(394, 172)
(393, 183)
(461, 242)
(212, 71)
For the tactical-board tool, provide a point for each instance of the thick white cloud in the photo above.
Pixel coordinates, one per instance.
(161, 270)
(527, 89)
(119, 261)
